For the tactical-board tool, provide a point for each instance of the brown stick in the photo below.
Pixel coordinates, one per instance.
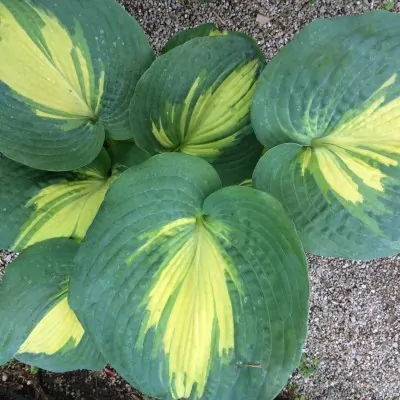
(249, 365)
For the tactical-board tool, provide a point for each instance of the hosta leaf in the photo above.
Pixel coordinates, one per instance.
(124, 155)
(37, 326)
(329, 107)
(193, 291)
(196, 100)
(67, 78)
(182, 37)
(207, 29)
(37, 205)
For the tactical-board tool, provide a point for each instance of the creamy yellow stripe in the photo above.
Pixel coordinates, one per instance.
(201, 313)
(167, 231)
(221, 109)
(161, 135)
(211, 149)
(338, 180)
(100, 91)
(58, 327)
(306, 157)
(360, 144)
(47, 80)
(81, 199)
(371, 176)
(207, 127)
(185, 113)
(387, 161)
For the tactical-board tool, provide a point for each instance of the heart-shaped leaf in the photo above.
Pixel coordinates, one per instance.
(196, 100)
(328, 108)
(37, 326)
(184, 36)
(193, 290)
(68, 73)
(37, 205)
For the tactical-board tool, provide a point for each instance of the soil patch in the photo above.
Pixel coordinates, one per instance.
(19, 382)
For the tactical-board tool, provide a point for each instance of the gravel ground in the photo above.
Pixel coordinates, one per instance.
(278, 21)
(5, 258)
(355, 306)
(354, 330)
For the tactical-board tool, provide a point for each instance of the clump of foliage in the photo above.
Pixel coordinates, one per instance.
(161, 206)
(389, 5)
(308, 366)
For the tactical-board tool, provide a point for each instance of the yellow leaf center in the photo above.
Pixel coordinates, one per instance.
(64, 209)
(58, 327)
(201, 318)
(53, 74)
(359, 146)
(207, 126)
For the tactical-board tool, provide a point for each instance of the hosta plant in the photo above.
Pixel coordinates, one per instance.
(68, 72)
(161, 207)
(40, 328)
(331, 122)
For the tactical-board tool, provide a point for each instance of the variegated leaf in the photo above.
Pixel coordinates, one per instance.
(196, 100)
(37, 325)
(193, 290)
(37, 205)
(328, 108)
(66, 79)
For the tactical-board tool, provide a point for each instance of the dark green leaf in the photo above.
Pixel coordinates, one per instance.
(193, 290)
